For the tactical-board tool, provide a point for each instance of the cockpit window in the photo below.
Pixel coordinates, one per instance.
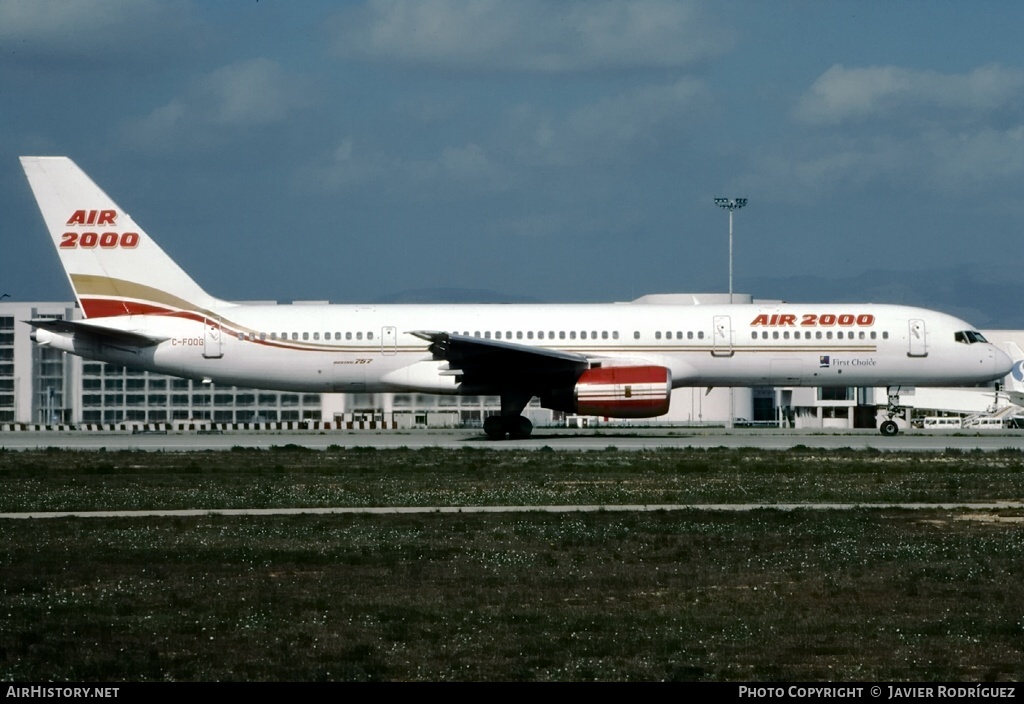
(969, 337)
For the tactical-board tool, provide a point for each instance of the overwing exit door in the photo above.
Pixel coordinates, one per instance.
(721, 336)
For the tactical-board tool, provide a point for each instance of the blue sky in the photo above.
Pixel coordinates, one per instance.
(564, 151)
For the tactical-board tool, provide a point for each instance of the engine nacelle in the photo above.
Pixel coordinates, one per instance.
(624, 392)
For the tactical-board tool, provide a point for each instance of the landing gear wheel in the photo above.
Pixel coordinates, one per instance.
(889, 428)
(494, 428)
(520, 428)
(517, 428)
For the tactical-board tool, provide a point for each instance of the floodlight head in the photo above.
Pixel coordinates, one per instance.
(730, 203)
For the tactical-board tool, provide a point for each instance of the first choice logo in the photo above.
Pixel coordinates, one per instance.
(90, 240)
(810, 320)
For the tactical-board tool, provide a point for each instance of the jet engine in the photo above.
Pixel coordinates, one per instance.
(623, 392)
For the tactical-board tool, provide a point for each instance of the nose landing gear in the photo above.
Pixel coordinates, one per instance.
(888, 427)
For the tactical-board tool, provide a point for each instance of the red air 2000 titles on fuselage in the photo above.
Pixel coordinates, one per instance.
(810, 320)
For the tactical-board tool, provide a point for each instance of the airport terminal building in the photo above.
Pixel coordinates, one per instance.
(45, 386)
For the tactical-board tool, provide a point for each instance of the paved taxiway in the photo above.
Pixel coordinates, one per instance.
(558, 439)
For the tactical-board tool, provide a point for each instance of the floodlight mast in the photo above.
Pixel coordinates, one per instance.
(730, 204)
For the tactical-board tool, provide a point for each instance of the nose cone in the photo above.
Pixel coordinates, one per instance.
(1001, 363)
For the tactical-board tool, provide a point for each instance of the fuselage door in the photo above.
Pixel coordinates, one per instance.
(212, 339)
(918, 338)
(388, 339)
(721, 337)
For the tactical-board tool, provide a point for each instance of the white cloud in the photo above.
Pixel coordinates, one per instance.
(92, 29)
(625, 117)
(923, 132)
(467, 168)
(842, 95)
(61, 20)
(973, 162)
(247, 93)
(530, 35)
(257, 91)
(952, 164)
(633, 121)
(816, 167)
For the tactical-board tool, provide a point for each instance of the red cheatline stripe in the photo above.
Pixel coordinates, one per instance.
(625, 403)
(111, 307)
(637, 396)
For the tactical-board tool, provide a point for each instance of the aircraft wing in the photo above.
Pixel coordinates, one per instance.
(494, 365)
(106, 335)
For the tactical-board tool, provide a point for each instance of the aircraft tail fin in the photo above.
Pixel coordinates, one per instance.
(114, 267)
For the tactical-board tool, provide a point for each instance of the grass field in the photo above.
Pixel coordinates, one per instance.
(880, 594)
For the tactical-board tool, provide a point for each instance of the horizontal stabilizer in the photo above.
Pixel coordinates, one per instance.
(105, 334)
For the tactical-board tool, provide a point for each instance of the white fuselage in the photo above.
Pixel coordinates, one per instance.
(323, 348)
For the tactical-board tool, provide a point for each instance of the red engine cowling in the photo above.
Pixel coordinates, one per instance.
(624, 392)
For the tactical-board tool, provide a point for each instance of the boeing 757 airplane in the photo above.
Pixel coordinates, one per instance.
(618, 360)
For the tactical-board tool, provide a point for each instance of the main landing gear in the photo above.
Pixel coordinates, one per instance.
(517, 428)
(889, 427)
(510, 423)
